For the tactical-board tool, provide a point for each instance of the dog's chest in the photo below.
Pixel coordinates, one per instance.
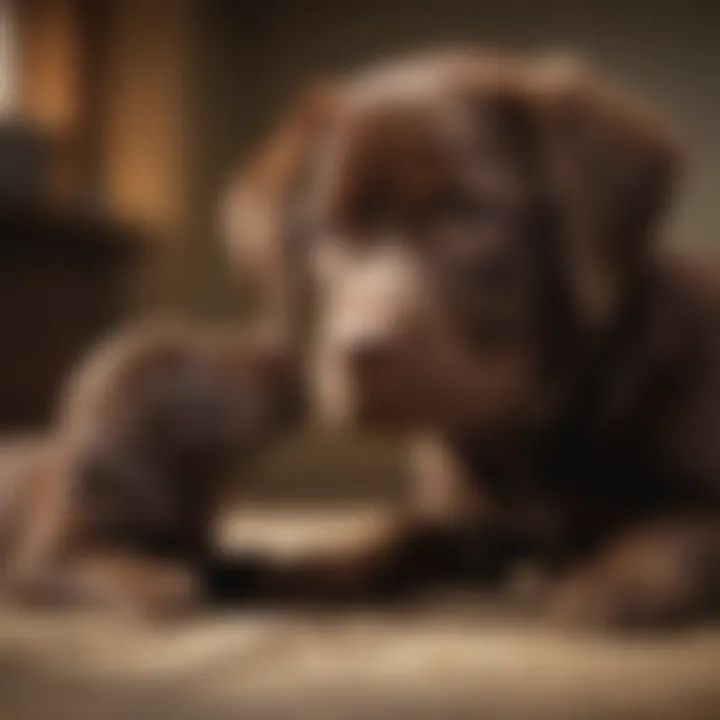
(575, 485)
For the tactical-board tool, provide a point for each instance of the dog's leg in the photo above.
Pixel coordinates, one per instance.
(660, 575)
(117, 581)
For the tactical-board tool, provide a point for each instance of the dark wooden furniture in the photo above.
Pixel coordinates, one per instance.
(61, 284)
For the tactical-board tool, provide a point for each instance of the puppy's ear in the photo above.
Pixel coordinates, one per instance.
(260, 211)
(611, 167)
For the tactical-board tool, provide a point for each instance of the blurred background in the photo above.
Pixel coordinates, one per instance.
(121, 121)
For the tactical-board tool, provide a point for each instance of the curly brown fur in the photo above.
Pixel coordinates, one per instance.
(119, 507)
(482, 237)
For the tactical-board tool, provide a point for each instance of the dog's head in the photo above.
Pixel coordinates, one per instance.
(184, 391)
(455, 217)
(154, 418)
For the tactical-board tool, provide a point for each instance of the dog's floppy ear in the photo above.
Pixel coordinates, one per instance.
(259, 210)
(612, 168)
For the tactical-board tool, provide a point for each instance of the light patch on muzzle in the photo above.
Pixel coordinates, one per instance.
(373, 306)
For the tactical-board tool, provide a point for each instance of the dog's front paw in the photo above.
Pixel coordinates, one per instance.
(625, 597)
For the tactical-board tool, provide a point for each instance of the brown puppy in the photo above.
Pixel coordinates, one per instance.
(481, 238)
(120, 507)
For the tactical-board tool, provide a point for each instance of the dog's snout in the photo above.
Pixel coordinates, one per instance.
(368, 355)
(374, 319)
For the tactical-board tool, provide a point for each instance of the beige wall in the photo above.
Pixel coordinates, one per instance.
(669, 50)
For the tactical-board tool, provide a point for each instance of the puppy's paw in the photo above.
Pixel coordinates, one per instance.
(616, 598)
(589, 603)
(172, 595)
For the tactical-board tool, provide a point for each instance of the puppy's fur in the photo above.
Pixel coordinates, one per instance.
(481, 236)
(119, 507)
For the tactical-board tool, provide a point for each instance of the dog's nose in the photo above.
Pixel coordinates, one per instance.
(273, 360)
(368, 355)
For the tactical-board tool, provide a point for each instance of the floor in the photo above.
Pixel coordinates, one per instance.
(451, 657)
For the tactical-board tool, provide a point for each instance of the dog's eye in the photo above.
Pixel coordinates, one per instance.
(370, 210)
(473, 238)
(465, 217)
(460, 206)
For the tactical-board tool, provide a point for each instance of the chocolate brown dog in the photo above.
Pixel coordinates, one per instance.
(119, 507)
(480, 238)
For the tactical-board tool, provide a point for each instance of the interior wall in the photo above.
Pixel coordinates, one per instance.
(145, 151)
(256, 55)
